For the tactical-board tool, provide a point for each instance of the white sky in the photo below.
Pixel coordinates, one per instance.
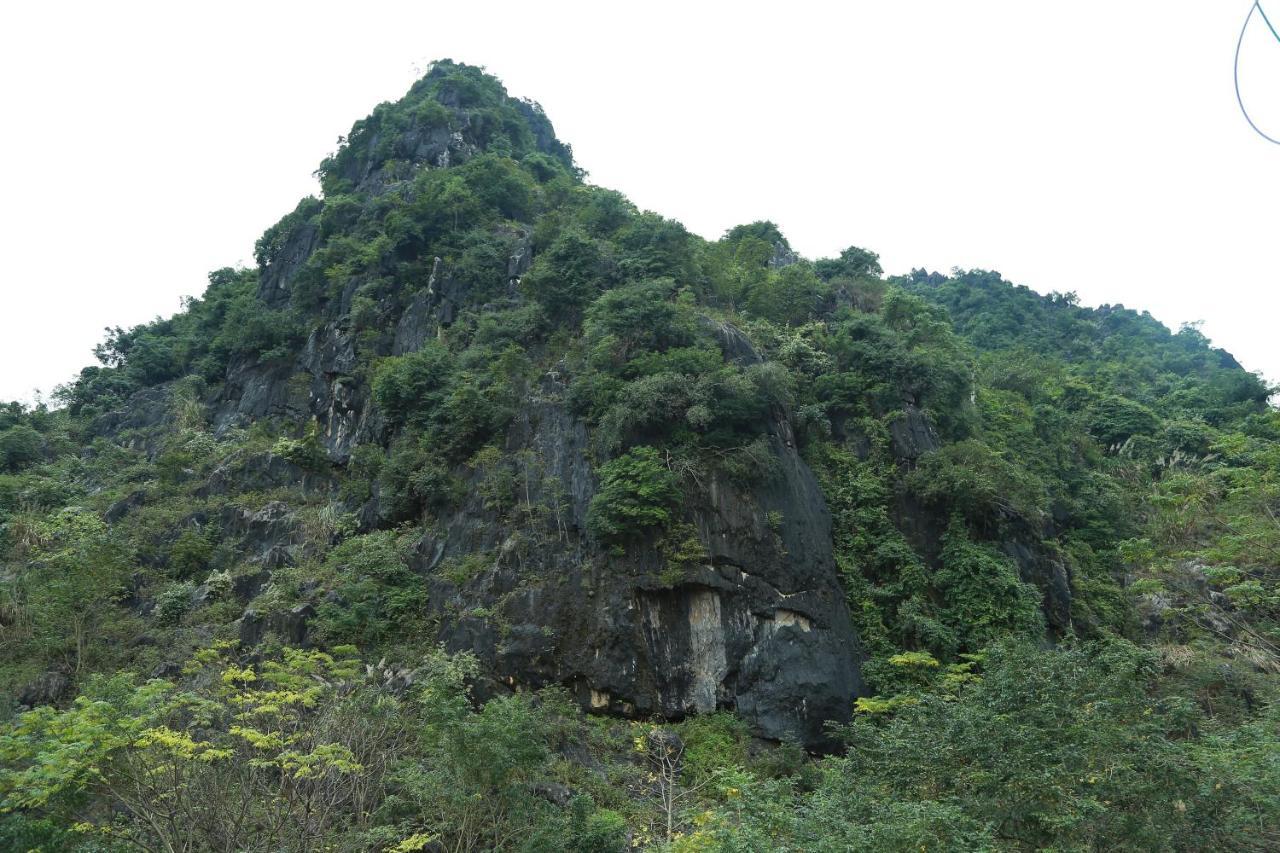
(1093, 146)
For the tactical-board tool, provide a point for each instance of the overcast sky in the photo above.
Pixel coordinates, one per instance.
(1093, 146)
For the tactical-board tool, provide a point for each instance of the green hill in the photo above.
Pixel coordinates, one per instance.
(491, 512)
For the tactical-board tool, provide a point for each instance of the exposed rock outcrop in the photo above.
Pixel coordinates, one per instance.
(762, 627)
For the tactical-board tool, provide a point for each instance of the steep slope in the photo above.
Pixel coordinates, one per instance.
(491, 426)
(428, 225)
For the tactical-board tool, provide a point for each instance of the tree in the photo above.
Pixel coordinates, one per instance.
(852, 263)
(20, 446)
(789, 296)
(566, 276)
(278, 756)
(374, 594)
(664, 753)
(637, 493)
(628, 321)
(469, 783)
(408, 388)
(1115, 419)
(73, 573)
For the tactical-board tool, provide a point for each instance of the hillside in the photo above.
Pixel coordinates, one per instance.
(491, 512)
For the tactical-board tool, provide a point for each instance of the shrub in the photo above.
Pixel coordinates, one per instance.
(790, 296)
(566, 277)
(971, 478)
(408, 388)
(192, 551)
(640, 317)
(1115, 419)
(375, 593)
(637, 493)
(173, 602)
(852, 263)
(413, 479)
(306, 452)
(20, 447)
(985, 599)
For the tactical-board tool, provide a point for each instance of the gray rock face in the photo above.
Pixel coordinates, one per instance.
(270, 537)
(759, 625)
(48, 688)
(912, 434)
(257, 390)
(1048, 574)
(291, 626)
(142, 418)
(259, 472)
(783, 256)
(762, 627)
(274, 286)
(415, 326)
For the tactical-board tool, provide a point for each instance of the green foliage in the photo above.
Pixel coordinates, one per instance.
(267, 250)
(305, 452)
(227, 324)
(413, 479)
(853, 263)
(905, 350)
(566, 276)
(440, 395)
(712, 744)
(375, 595)
(20, 447)
(639, 318)
(408, 388)
(253, 759)
(657, 372)
(496, 479)
(682, 553)
(790, 297)
(469, 782)
(637, 494)
(951, 420)
(173, 602)
(192, 551)
(1047, 750)
(451, 96)
(984, 599)
(1116, 419)
(969, 478)
(61, 599)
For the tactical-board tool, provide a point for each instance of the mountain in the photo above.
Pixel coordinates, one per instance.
(629, 520)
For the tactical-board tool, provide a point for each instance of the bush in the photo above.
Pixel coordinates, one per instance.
(567, 276)
(20, 447)
(192, 551)
(789, 296)
(173, 602)
(306, 452)
(1115, 419)
(637, 318)
(984, 598)
(971, 478)
(637, 493)
(408, 388)
(852, 263)
(375, 593)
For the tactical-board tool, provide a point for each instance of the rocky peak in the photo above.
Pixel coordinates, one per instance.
(453, 113)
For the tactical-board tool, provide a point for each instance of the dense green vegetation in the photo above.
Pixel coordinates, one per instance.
(143, 710)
